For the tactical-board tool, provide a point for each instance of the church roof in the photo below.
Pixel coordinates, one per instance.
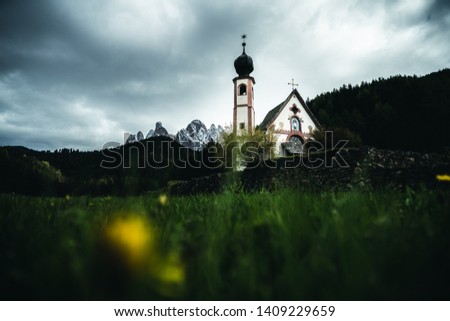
(273, 113)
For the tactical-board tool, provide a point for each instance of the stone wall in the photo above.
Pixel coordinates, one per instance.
(364, 168)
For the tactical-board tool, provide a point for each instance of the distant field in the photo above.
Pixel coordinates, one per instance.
(235, 245)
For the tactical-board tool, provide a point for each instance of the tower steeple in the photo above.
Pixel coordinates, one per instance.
(244, 63)
(243, 111)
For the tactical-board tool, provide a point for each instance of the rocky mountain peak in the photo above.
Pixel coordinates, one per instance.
(195, 136)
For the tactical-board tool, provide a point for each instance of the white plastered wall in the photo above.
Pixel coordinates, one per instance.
(242, 116)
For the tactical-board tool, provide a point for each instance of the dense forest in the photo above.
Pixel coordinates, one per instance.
(401, 112)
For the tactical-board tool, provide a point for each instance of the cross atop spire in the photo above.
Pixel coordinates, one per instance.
(293, 84)
(243, 36)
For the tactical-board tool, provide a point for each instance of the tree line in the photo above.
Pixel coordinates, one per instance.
(401, 112)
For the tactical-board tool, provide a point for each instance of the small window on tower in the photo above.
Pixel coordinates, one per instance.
(242, 90)
(241, 125)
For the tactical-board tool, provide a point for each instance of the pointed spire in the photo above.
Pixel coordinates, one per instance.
(244, 36)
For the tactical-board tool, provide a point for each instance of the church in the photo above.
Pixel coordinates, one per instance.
(291, 122)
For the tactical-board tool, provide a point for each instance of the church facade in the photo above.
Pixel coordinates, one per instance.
(290, 123)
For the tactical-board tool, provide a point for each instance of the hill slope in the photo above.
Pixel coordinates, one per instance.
(401, 112)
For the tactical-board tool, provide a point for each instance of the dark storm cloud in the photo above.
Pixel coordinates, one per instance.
(438, 15)
(32, 34)
(440, 8)
(38, 38)
(47, 65)
(404, 13)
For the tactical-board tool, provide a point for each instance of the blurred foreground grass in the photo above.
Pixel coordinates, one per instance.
(267, 245)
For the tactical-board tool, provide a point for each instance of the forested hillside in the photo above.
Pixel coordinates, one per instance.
(401, 112)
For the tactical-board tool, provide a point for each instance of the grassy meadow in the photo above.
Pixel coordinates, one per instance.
(284, 244)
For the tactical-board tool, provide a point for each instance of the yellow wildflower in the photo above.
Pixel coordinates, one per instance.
(443, 178)
(132, 238)
(169, 275)
(67, 197)
(163, 199)
(170, 270)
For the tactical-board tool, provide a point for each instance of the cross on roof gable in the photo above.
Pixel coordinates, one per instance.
(293, 84)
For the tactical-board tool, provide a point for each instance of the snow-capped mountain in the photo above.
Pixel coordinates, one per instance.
(131, 139)
(195, 136)
(150, 133)
(160, 130)
(139, 136)
(215, 133)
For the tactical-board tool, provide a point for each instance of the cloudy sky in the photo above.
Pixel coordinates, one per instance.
(79, 74)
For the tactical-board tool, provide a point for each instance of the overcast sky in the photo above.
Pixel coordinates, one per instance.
(78, 74)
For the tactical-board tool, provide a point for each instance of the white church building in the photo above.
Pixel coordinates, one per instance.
(291, 122)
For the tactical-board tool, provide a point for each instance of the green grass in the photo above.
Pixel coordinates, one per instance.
(268, 245)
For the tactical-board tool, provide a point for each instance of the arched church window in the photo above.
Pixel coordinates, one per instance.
(295, 145)
(295, 124)
(242, 90)
(296, 139)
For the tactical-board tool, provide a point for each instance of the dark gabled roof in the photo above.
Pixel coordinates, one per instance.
(273, 113)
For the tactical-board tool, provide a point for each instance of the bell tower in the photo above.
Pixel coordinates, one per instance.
(243, 111)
